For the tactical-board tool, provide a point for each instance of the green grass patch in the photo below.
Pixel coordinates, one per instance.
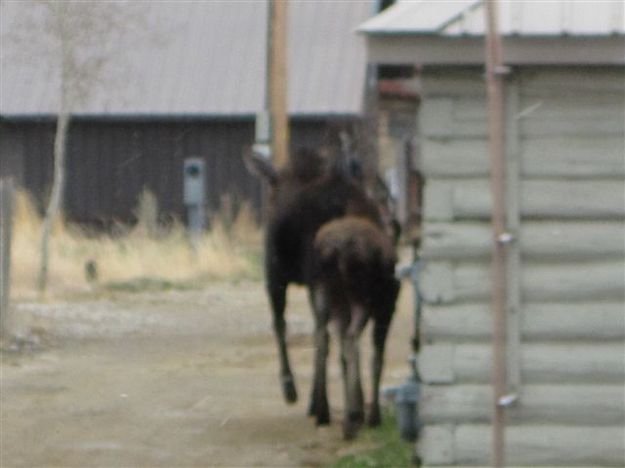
(389, 450)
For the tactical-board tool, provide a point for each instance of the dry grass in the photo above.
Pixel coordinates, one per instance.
(142, 257)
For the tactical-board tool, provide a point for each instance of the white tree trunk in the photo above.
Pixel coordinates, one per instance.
(54, 206)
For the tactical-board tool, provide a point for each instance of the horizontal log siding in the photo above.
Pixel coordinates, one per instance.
(554, 157)
(535, 445)
(543, 362)
(572, 277)
(551, 323)
(601, 200)
(583, 405)
(457, 282)
(539, 241)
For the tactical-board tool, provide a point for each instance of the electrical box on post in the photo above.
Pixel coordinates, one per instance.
(194, 177)
(263, 127)
(194, 185)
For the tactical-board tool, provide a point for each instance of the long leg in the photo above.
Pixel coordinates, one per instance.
(380, 332)
(343, 364)
(350, 349)
(319, 398)
(342, 325)
(277, 296)
(342, 332)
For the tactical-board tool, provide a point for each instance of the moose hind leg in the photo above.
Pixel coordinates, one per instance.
(320, 396)
(277, 296)
(354, 406)
(380, 331)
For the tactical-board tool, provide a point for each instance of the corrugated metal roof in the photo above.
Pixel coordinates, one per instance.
(528, 18)
(415, 16)
(211, 61)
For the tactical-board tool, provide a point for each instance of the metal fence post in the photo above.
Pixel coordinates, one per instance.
(6, 226)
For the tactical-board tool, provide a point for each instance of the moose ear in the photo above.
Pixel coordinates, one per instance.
(258, 162)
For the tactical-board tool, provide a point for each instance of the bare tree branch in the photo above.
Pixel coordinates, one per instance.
(76, 41)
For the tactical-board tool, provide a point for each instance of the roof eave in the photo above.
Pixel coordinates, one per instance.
(428, 49)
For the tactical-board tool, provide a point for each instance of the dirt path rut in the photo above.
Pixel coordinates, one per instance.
(170, 379)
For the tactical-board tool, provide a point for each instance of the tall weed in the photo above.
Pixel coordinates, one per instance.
(145, 254)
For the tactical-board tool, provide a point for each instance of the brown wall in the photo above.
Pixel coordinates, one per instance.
(110, 162)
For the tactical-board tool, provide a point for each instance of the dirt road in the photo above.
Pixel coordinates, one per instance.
(171, 379)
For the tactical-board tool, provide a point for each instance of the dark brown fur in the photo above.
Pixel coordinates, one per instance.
(306, 194)
(354, 282)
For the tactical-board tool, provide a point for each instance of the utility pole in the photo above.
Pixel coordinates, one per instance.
(495, 73)
(277, 79)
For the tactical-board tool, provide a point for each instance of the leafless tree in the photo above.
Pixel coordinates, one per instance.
(80, 45)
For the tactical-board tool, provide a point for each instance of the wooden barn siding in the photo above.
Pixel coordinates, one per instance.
(110, 162)
(571, 242)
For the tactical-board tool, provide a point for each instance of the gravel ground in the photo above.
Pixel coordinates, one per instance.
(170, 379)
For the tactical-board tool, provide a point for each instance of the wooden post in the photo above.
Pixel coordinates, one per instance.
(496, 116)
(513, 221)
(277, 76)
(6, 226)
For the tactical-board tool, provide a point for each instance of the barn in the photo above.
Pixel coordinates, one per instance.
(192, 91)
(565, 212)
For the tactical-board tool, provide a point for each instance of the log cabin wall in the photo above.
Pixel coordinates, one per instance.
(566, 276)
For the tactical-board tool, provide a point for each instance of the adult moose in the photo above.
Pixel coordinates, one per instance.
(304, 195)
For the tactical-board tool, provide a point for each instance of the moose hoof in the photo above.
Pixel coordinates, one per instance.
(374, 418)
(352, 424)
(318, 409)
(350, 431)
(323, 417)
(288, 388)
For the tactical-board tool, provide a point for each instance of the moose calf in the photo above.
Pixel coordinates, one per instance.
(353, 282)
